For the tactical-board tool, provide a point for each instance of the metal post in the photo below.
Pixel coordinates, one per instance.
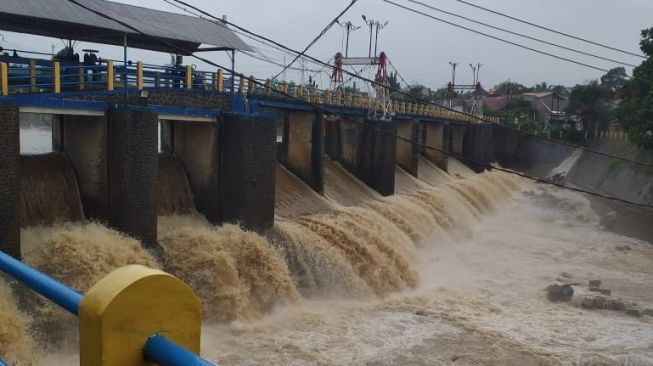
(370, 51)
(233, 71)
(376, 40)
(125, 59)
(349, 25)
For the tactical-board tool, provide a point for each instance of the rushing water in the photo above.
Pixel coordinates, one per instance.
(451, 272)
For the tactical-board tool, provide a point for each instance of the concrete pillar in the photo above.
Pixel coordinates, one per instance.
(9, 180)
(378, 156)
(248, 170)
(408, 145)
(303, 148)
(196, 144)
(133, 172)
(478, 146)
(437, 136)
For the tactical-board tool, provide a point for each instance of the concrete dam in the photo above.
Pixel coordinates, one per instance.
(283, 218)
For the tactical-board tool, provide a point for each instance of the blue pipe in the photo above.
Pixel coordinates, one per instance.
(161, 351)
(45, 285)
(2, 363)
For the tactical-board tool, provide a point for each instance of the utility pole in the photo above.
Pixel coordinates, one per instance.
(476, 69)
(379, 26)
(473, 73)
(370, 23)
(349, 27)
(453, 72)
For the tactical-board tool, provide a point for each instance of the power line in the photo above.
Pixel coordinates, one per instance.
(494, 37)
(322, 33)
(550, 29)
(522, 35)
(319, 108)
(242, 29)
(397, 72)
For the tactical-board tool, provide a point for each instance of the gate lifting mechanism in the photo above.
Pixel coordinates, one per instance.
(380, 106)
(477, 101)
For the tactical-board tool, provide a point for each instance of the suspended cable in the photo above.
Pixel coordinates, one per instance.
(551, 29)
(522, 35)
(319, 36)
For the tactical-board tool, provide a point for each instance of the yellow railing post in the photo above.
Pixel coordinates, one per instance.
(251, 86)
(4, 79)
(268, 87)
(284, 88)
(219, 82)
(81, 77)
(111, 75)
(339, 97)
(241, 84)
(327, 97)
(139, 75)
(56, 76)
(189, 77)
(32, 75)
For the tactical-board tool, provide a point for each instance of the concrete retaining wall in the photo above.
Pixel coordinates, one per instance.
(248, 165)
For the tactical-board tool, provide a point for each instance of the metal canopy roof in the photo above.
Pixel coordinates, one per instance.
(65, 19)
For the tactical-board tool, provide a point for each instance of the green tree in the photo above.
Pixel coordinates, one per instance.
(393, 81)
(615, 79)
(636, 108)
(592, 103)
(510, 88)
(542, 87)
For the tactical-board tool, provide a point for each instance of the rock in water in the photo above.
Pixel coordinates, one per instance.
(559, 293)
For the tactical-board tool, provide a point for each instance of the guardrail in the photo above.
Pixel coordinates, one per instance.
(136, 289)
(20, 75)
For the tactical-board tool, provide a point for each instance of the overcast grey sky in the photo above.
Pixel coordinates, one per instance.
(420, 47)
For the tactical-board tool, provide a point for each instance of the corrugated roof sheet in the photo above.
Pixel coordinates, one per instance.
(64, 19)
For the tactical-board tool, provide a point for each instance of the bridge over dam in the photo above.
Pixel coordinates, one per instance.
(129, 150)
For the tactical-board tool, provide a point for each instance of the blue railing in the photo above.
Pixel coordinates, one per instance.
(157, 348)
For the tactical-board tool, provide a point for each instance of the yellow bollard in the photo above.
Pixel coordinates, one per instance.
(110, 75)
(139, 75)
(349, 99)
(299, 91)
(4, 79)
(251, 85)
(268, 87)
(81, 76)
(132, 303)
(219, 82)
(314, 98)
(327, 97)
(189, 77)
(32, 75)
(241, 84)
(56, 76)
